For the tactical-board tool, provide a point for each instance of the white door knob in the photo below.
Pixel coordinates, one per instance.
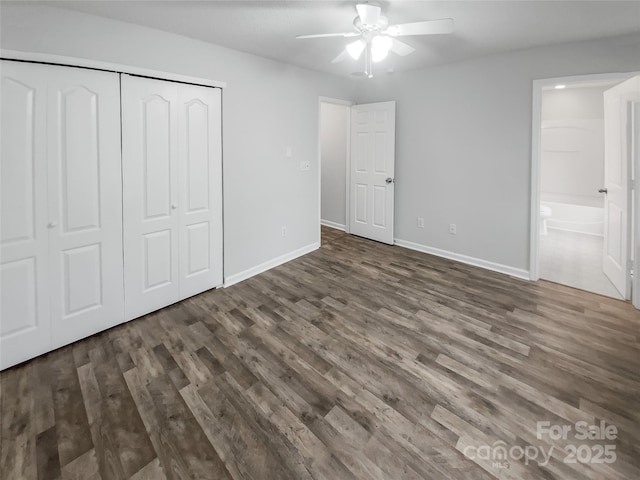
(173, 206)
(52, 225)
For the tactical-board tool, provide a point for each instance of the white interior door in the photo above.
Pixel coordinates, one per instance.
(150, 182)
(85, 202)
(200, 178)
(25, 322)
(372, 173)
(617, 212)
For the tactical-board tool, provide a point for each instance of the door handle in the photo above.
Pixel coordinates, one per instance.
(52, 225)
(603, 190)
(173, 206)
(389, 180)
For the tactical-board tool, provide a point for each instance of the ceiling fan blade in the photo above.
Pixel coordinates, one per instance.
(324, 35)
(344, 55)
(369, 14)
(428, 27)
(401, 48)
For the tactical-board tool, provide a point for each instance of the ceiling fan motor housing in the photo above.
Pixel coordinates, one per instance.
(381, 25)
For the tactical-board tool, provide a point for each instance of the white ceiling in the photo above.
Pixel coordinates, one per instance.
(267, 28)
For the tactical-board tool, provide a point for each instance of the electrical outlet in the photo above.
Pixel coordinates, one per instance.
(305, 166)
(288, 152)
(453, 229)
(420, 222)
(284, 231)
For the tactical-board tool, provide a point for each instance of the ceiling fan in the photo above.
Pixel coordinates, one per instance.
(376, 38)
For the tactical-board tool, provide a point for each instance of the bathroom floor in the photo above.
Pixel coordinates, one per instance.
(574, 259)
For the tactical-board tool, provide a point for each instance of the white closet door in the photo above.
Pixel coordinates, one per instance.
(25, 325)
(85, 202)
(200, 205)
(150, 181)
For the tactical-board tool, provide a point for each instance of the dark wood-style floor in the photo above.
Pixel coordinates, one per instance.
(359, 360)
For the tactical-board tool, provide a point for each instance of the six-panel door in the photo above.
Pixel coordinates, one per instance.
(372, 171)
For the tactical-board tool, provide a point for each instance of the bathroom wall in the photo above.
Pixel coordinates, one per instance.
(334, 144)
(572, 168)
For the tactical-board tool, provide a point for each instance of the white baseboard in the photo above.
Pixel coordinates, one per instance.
(274, 262)
(477, 262)
(337, 226)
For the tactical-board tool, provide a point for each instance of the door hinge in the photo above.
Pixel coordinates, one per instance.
(632, 184)
(630, 266)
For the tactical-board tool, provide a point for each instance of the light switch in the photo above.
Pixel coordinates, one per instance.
(288, 153)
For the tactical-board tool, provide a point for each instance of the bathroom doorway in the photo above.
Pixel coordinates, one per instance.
(570, 197)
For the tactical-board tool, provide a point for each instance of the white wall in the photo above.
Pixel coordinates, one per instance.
(267, 106)
(572, 146)
(463, 144)
(333, 148)
(573, 102)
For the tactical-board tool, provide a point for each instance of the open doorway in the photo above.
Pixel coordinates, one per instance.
(571, 183)
(334, 150)
(357, 167)
(578, 231)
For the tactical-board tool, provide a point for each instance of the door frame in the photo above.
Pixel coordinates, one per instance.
(635, 247)
(536, 125)
(346, 103)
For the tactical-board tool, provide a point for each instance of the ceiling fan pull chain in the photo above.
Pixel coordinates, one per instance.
(368, 64)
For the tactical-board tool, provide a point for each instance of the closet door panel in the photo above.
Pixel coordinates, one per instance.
(200, 189)
(85, 203)
(25, 323)
(150, 179)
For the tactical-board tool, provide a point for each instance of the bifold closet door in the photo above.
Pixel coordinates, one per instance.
(61, 215)
(150, 182)
(25, 321)
(200, 178)
(85, 202)
(172, 192)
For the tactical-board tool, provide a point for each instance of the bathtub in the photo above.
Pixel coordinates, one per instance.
(575, 218)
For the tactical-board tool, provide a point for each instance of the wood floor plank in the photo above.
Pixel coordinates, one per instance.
(47, 455)
(72, 426)
(173, 465)
(17, 436)
(181, 430)
(85, 467)
(118, 409)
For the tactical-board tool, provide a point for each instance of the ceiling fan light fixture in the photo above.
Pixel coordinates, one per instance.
(377, 55)
(380, 45)
(376, 38)
(356, 48)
